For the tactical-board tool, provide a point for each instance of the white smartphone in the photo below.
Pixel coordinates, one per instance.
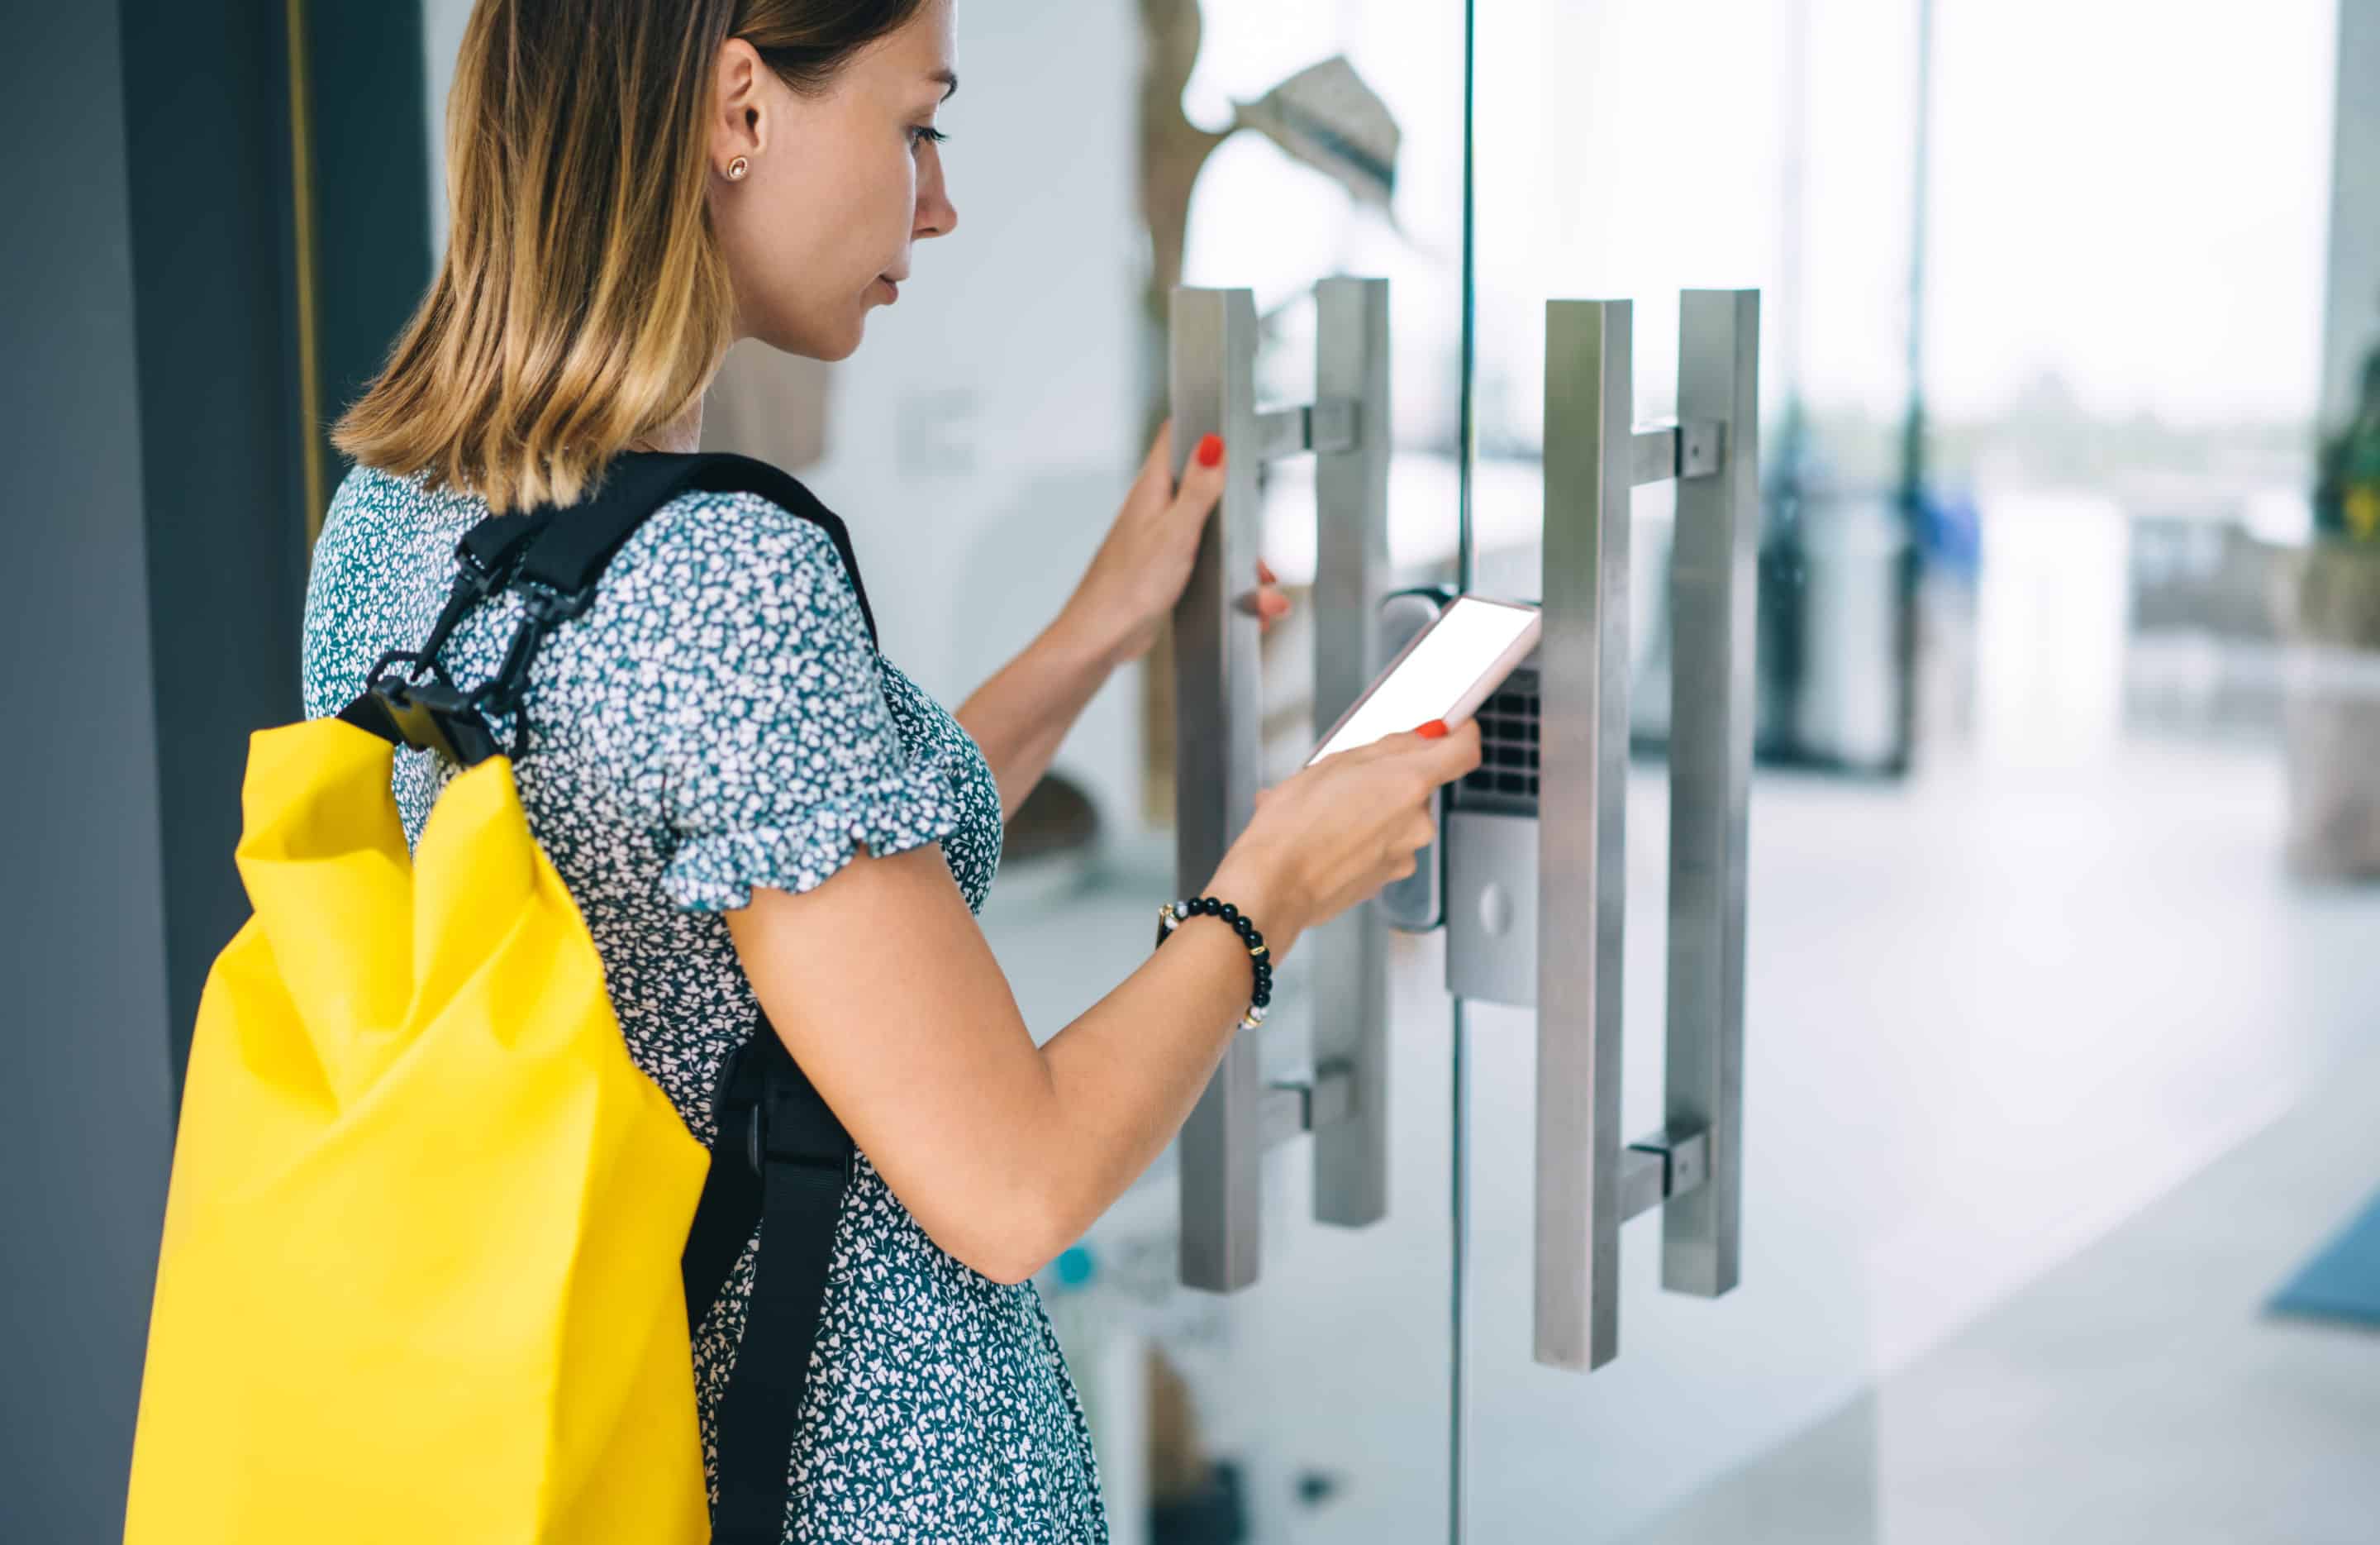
(1446, 672)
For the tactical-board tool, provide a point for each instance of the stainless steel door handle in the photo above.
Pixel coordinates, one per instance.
(1218, 748)
(1713, 586)
(1582, 822)
(1588, 1183)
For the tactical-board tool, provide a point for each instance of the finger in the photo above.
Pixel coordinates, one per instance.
(1444, 757)
(1454, 753)
(1269, 604)
(1405, 743)
(1265, 574)
(1202, 481)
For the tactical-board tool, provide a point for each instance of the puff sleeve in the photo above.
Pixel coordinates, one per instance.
(778, 751)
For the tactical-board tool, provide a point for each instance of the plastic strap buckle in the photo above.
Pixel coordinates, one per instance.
(783, 1118)
(782, 1141)
(433, 716)
(547, 605)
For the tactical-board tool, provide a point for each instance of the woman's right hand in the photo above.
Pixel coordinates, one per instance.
(1334, 834)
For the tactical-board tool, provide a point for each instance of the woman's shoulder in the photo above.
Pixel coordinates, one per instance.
(372, 509)
(699, 551)
(374, 568)
(739, 538)
(733, 560)
(708, 578)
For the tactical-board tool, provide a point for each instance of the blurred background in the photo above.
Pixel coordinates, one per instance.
(2063, 1171)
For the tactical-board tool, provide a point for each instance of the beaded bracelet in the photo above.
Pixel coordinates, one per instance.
(1174, 913)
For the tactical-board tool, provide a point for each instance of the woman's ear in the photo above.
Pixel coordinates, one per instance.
(739, 121)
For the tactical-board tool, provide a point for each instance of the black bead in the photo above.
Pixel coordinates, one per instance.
(1230, 913)
(1209, 906)
(1263, 998)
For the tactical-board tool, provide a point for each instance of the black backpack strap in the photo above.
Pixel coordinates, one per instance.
(571, 555)
(555, 558)
(780, 1160)
(559, 571)
(419, 705)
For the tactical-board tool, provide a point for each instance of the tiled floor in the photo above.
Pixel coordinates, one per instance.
(2051, 1076)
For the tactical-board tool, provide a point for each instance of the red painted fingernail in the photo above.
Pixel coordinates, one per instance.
(1432, 730)
(1210, 450)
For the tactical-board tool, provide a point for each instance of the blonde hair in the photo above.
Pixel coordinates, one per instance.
(582, 301)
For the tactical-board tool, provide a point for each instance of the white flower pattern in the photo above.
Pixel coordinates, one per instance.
(718, 719)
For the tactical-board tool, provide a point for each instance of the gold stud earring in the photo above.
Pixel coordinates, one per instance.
(736, 168)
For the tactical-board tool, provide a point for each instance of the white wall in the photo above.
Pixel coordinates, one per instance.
(981, 438)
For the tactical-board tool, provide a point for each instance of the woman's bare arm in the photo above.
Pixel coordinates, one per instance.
(881, 985)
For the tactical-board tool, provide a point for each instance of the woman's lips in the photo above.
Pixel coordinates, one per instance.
(892, 290)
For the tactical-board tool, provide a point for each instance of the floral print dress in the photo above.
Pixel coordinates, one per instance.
(719, 719)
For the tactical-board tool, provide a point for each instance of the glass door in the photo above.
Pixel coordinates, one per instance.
(2057, 1167)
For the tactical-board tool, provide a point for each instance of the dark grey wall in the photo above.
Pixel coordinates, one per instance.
(207, 114)
(85, 1099)
(152, 574)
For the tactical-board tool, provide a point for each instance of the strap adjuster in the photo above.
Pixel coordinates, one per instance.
(548, 605)
(770, 1114)
(759, 1152)
(432, 714)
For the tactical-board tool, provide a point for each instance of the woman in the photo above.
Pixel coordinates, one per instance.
(754, 809)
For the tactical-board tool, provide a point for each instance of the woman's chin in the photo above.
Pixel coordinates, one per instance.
(818, 343)
(845, 341)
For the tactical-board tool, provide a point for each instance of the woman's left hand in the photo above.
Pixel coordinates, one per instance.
(1142, 566)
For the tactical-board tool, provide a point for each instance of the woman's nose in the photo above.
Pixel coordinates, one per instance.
(935, 214)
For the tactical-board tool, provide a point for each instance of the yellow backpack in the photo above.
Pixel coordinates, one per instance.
(433, 1240)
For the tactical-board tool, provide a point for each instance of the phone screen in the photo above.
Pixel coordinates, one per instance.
(1463, 645)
